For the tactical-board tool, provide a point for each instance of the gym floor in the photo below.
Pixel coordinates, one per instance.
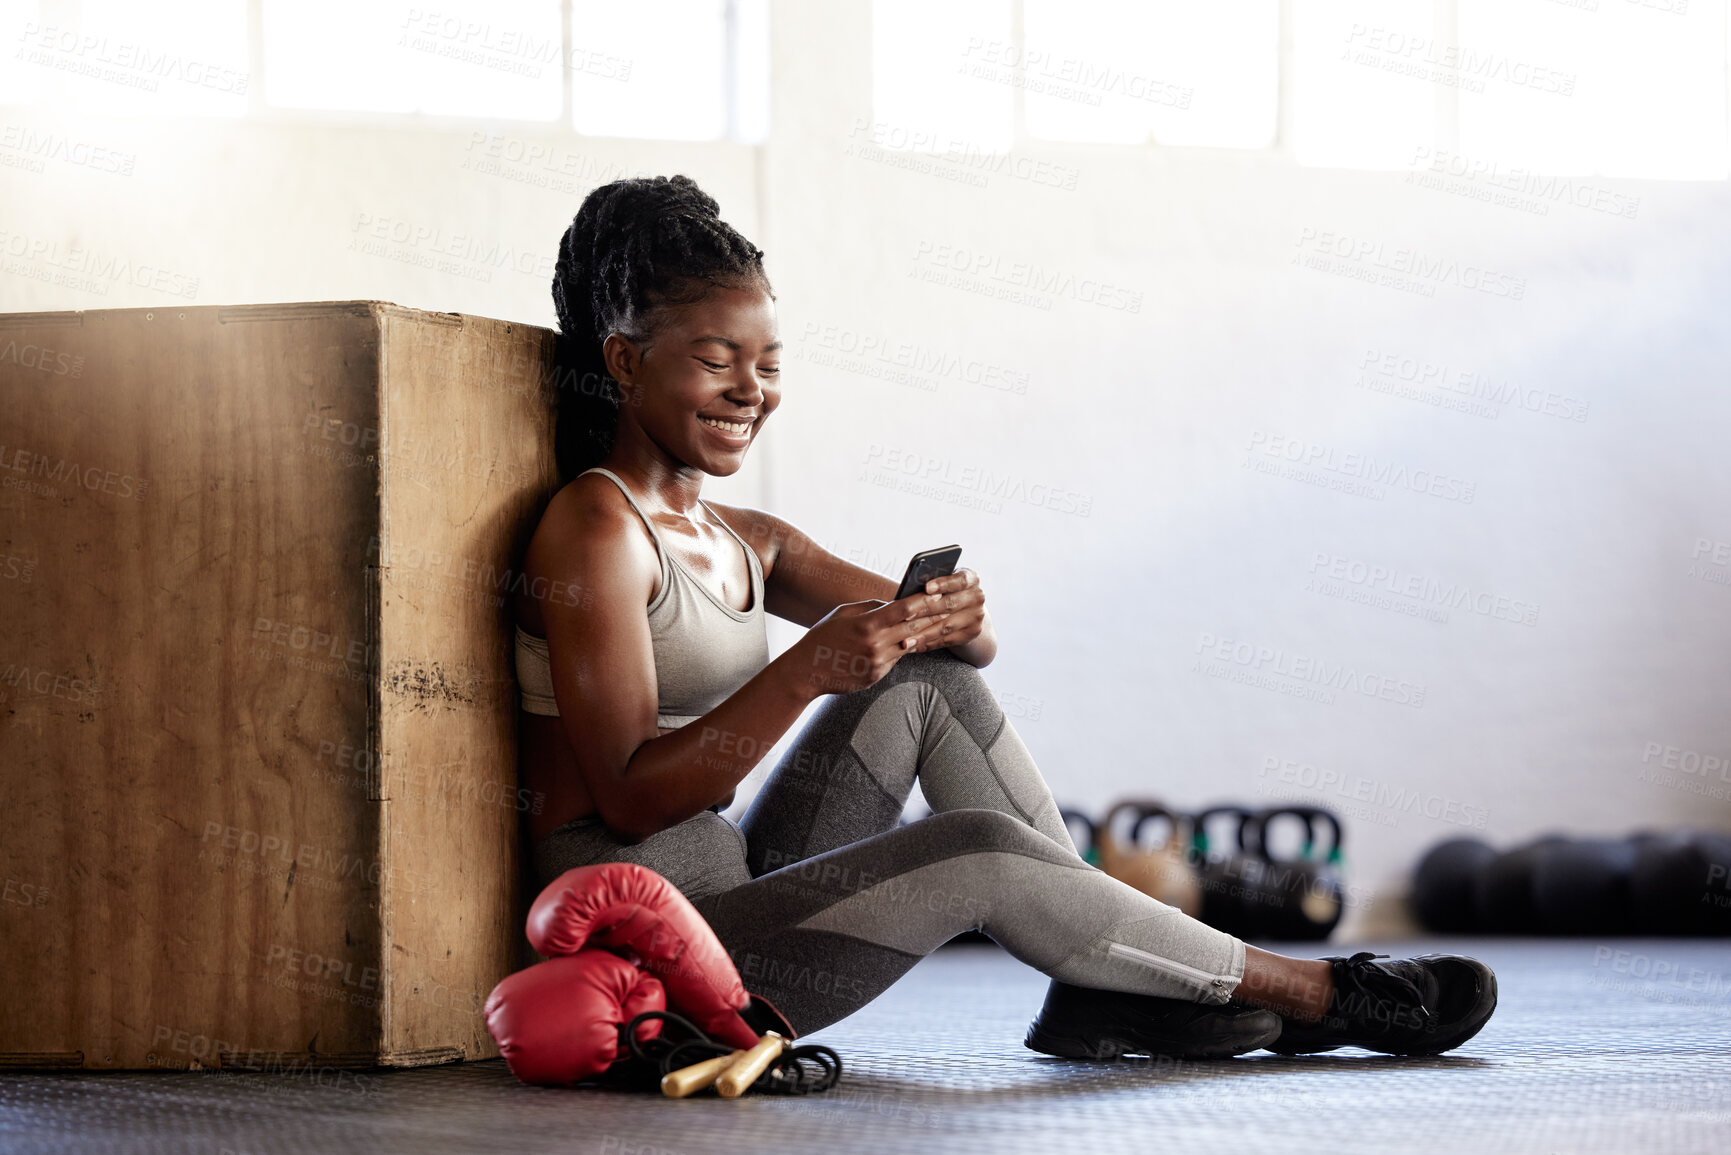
(1611, 1046)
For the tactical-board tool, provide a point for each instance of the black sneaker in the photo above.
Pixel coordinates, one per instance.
(1085, 1023)
(1421, 1006)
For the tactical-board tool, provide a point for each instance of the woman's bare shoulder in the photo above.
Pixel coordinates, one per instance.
(762, 530)
(586, 527)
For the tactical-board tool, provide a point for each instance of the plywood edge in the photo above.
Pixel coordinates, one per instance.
(278, 311)
(281, 1062)
(423, 316)
(71, 318)
(230, 314)
(430, 1057)
(40, 1060)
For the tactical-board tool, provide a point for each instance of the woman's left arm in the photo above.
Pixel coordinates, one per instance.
(803, 582)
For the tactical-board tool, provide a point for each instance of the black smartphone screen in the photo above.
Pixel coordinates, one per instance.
(940, 562)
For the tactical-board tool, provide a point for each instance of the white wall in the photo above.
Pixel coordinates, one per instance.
(1149, 415)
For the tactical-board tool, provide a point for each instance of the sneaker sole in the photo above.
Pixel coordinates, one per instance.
(1107, 1047)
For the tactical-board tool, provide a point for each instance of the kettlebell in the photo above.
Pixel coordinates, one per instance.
(1163, 871)
(1221, 869)
(1119, 855)
(1089, 846)
(1299, 899)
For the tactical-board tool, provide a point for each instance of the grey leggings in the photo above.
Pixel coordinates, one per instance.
(823, 901)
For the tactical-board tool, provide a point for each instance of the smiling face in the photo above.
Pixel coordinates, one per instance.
(702, 386)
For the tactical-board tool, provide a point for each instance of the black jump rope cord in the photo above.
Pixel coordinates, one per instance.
(802, 1070)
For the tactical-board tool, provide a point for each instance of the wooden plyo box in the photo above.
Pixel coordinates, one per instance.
(257, 714)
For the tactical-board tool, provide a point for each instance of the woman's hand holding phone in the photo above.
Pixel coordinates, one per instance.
(957, 604)
(857, 643)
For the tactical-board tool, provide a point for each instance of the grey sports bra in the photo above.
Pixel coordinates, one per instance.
(704, 649)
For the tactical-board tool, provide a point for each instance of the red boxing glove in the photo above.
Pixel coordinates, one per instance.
(558, 1021)
(622, 905)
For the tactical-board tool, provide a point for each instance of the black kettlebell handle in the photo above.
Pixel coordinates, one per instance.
(1256, 830)
(1199, 826)
(1152, 811)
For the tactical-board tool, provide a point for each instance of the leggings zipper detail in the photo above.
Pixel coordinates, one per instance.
(1120, 950)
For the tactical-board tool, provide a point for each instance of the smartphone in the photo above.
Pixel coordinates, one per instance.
(940, 562)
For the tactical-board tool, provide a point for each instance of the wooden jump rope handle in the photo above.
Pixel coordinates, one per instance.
(689, 1080)
(743, 1072)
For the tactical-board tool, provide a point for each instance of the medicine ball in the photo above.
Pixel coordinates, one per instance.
(1503, 892)
(1443, 887)
(1679, 884)
(1581, 886)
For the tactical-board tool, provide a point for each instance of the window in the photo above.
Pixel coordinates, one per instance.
(1364, 92)
(113, 57)
(649, 70)
(499, 58)
(942, 75)
(1630, 88)
(1163, 71)
(1627, 88)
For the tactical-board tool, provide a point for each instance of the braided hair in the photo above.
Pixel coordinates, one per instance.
(635, 248)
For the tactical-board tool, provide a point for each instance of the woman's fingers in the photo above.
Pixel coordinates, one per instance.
(914, 626)
(959, 591)
(946, 630)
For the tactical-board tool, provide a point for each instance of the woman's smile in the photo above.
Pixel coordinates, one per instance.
(734, 432)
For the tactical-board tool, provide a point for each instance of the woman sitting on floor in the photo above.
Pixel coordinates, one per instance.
(650, 694)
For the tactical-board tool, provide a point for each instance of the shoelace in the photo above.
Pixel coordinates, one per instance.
(804, 1070)
(1379, 984)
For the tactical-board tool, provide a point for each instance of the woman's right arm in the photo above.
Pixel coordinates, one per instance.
(603, 664)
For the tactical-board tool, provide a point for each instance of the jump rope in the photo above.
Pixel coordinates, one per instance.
(774, 1066)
